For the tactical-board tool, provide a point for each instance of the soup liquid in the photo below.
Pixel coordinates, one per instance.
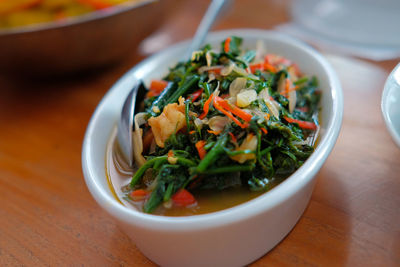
(119, 175)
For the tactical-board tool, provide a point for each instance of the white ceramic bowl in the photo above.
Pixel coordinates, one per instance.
(390, 104)
(234, 236)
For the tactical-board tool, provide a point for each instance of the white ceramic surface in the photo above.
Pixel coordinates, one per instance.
(366, 28)
(391, 104)
(231, 237)
(366, 22)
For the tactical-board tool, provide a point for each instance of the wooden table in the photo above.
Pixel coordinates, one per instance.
(48, 217)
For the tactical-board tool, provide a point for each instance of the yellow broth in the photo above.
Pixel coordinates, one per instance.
(119, 176)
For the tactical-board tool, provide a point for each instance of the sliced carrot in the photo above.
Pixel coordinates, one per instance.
(233, 137)
(170, 153)
(206, 107)
(265, 131)
(235, 110)
(228, 114)
(139, 194)
(302, 124)
(269, 67)
(157, 86)
(216, 71)
(256, 66)
(192, 132)
(150, 94)
(214, 132)
(200, 148)
(183, 198)
(289, 87)
(196, 95)
(262, 66)
(227, 44)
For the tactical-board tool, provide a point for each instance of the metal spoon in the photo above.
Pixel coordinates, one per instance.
(126, 124)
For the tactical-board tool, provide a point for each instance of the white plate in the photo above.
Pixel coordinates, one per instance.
(391, 104)
(366, 28)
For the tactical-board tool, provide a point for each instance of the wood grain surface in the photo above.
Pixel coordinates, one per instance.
(48, 217)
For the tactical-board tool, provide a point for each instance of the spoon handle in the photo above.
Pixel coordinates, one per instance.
(205, 24)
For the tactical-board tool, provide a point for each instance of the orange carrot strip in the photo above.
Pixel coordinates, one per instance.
(206, 107)
(257, 66)
(264, 130)
(200, 148)
(235, 110)
(215, 71)
(302, 124)
(233, 137)
(183, 198)
(269, 67)
(214, 132)
(150, 94)
(287, 87)
(192, 132)
(228, 114)
(170, 153)
(139, 194)
(227, 44)
(196, 95)
(157, 86)
(262, 67)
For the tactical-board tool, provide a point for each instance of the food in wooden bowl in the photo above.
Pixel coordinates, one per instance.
(220, 237)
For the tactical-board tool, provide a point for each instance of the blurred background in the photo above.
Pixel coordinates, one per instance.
(58, 37)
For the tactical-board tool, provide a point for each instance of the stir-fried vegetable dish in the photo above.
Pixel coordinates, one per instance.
(14, 13)
(221, 120)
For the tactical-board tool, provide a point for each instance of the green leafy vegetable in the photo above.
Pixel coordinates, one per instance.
(240, 129)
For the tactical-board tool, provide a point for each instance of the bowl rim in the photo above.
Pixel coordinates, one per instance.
(387, 88)
(74, 20)
(240, 212)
